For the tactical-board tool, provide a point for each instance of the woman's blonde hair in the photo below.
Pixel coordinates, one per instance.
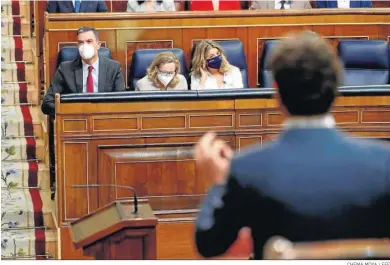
(160, 59)
(199, 58)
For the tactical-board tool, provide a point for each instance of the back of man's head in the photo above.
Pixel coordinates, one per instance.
(307, 72)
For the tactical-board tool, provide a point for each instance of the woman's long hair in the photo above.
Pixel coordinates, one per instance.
(160, 59)
(199, 59)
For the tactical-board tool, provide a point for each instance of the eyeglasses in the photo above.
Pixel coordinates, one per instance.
(165, 73)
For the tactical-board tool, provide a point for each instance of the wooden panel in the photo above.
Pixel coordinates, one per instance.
(75, 125)
(274, 118)
(75, 161)
(346, 116)
(159, 164)
(211, 121)
(164, 122)
(376, 116)
(250, 120)
(162, 174)
(244, 141)
(172, 244)
(115, 124)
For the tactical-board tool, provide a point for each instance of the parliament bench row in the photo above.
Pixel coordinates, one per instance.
(366, 62)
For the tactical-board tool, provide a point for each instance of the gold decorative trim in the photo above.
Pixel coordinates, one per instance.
(136, 41)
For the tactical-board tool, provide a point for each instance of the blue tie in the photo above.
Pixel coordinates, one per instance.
(77, 4)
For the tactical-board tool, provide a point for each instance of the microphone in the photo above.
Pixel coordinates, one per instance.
(113, 186)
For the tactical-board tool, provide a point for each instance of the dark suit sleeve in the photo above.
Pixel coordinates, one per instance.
(119, 82)
(221, 217)
(366, 3)
(102, 7)
(56, 86)
(51, 6)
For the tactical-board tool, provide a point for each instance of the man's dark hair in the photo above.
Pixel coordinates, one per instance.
(307, 72)
(86, 29)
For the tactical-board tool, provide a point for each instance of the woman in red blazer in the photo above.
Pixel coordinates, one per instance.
(208, 5)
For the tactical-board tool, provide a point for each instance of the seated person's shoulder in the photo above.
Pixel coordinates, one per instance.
(234, 70)
(112, 61)
(144, 83)
(67, 65)
(182, 78)
(183, 85)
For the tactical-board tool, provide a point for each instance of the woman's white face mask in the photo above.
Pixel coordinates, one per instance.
(164, 78)
(87, 51)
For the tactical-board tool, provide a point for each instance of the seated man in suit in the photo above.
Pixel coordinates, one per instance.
(313, 183)
(88, 73)
(280, 4)
(76, 6)
(343, 3)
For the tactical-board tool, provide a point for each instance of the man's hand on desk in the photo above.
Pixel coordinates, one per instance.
(213, 157)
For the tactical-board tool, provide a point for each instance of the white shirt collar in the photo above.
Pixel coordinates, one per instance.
(318, 121)
(95, 65)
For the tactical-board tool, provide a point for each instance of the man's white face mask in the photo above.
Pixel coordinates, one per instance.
(86, 51)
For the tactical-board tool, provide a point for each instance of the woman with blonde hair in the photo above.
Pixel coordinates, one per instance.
(163, 74)
(211, 69)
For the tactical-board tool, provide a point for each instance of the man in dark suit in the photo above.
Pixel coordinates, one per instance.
(313, 183)
(76, 6)
(88, 73)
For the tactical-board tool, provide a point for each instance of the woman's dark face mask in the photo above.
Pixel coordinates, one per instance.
(215, 62)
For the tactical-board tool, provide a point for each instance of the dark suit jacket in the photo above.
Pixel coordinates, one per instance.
(311, 184)
(85, 6)
(69, 79)
(352, 4)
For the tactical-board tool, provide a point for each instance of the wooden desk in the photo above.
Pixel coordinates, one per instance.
(145, 140)
(123, 33)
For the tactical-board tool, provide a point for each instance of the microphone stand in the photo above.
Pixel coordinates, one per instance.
(113, 186)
